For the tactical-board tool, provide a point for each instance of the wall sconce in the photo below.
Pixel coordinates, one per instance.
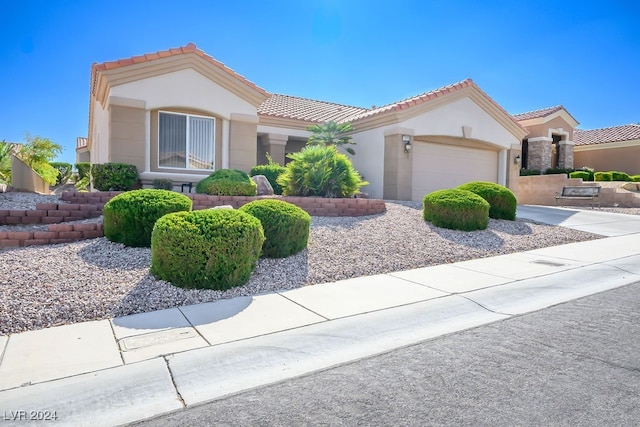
(517, 160)
(407, 143)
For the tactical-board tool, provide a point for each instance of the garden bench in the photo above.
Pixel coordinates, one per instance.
(579, 193)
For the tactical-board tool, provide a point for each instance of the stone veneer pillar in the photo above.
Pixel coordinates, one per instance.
(539, 153)
(275, 144)
(565, 154)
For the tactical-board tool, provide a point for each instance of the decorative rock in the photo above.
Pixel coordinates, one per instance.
(264, 186)
(222, 207)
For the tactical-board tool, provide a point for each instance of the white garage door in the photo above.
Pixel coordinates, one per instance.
(438, 166)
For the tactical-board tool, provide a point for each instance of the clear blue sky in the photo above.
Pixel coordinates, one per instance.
(525, 54)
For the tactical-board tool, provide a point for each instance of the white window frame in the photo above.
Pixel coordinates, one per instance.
(187, 168)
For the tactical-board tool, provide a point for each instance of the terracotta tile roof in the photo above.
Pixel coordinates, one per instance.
(604, 135)
(543, 112)
(188, 48)
(416, 100)
(310, 110)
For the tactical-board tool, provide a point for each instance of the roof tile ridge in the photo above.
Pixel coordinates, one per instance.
(318, 100)
(538, 110)
(607, 127)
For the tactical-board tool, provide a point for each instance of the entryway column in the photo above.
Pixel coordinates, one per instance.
(565, 154)
(398, 164)
(274, 144)
(539, 153)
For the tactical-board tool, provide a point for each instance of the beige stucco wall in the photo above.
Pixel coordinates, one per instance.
(127, 133)
(243, 148)
(622, 159)
(185, 89)
(100, 134)
(369, 159)
(397, 169)
(24, 178)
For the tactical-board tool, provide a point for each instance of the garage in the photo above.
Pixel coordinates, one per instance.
(437, 166)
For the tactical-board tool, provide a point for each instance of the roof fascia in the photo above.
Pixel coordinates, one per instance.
(606, 145)
(562, 113)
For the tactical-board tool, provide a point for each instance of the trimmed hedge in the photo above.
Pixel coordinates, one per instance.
(585, 175)
(558, 171)
(227, 182)
(271, 171)
(84, 170)
(620, 176)
(529, 172)
(206, 249)
(64, 171)
(502, 201)
(456, 209)
(635, 178)
(602, 176)
(114, 176)
(286, 226)
(162, 184)
(129, 217)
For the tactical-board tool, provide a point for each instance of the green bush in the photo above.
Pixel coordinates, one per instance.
(84, 170)
(619, 176)
(320, 171)
(271, 171)
(635, 178)
(162, 184)
(286, 226)
(211, 249)
(456, 209)
(227, 182)
(129, 217)
(114, 176)
(602, 176)
(580, 174)
(502, 201)
(529, 172)
(558, 171)
(64, 171)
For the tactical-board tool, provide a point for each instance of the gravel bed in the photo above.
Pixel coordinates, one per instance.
(43, 286)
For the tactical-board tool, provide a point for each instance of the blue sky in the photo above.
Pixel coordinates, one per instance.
(526, 55)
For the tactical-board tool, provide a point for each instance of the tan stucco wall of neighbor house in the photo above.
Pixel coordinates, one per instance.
(607, 157)
(127, 134)
(398, 169)
(24, 178)
(514, 160)
(555, 123)
(99, 134)
(243, 149)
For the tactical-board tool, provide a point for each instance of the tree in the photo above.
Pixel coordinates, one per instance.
(331, 133)
(37, 152)
(5, 161)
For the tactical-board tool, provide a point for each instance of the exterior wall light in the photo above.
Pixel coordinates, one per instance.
(516, 160)
(407, 143)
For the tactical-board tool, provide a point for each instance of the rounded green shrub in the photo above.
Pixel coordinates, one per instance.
(502, 201)
(456, 209)
(162, 184)
(271, 172)
(529, 172)
(619, 176)
(635, 178)
(602, 176)
(129, 217)
(227, 182)
(286, 226)
(584, 175)
(206, 249)
(320, 171)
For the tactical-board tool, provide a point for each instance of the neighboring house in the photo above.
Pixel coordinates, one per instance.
(550, 143)
(614, 148)
(180, 114)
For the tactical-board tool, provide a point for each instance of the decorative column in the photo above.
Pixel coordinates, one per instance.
(275, 144)
(565, 154)
(539, 153)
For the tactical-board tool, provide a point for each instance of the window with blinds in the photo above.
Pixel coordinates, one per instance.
(186, 141)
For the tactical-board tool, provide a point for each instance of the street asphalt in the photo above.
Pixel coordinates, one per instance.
(576, 363)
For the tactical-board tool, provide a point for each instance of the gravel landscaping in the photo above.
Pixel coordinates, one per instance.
(43, 286)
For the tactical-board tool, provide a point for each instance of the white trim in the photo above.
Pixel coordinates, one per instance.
(539, 139)
(187, 168)
(606, 145)
(558, 131)
(225, 144)
(502, 167)
(147, 140)
(563, 142)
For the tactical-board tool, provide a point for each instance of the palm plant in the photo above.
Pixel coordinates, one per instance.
(5, 161)
(331, 133)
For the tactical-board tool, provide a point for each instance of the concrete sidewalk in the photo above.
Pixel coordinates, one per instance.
(121, 370)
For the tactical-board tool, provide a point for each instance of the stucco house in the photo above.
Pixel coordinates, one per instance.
(614, 148)
(180, 114)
